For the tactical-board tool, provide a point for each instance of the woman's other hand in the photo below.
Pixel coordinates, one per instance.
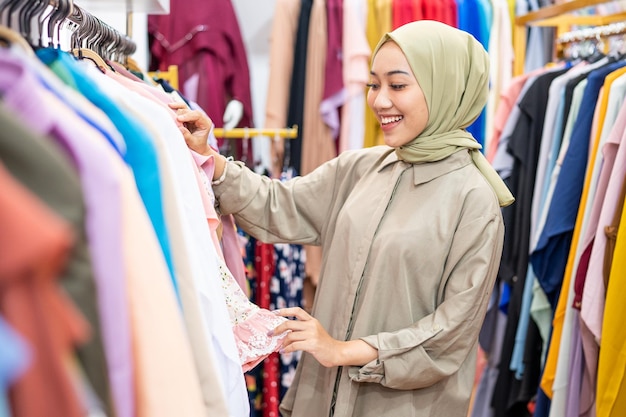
(307, 334)
(195, 127)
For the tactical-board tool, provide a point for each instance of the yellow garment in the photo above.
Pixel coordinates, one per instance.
(611, 391)
(604, 102)
(611, 394)
(456, 91)
(549, 372)
(512, 12)
(378, 23)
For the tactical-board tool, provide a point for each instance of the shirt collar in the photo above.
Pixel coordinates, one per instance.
(423, 173)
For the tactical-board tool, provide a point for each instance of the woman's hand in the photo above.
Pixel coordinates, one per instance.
(195, 127)
(307, 334)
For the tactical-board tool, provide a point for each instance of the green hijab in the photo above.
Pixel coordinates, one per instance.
(452, 68)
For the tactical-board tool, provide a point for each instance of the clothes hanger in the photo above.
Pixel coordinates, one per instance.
(90, 54)
(9, 37)
(62, 10)
(26, 15)
(87, 27)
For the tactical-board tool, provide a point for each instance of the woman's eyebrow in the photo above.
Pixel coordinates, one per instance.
(392, 72)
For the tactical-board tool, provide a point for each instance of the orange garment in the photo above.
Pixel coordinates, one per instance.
(34, 245)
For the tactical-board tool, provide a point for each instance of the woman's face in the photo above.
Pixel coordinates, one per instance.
(395, 96)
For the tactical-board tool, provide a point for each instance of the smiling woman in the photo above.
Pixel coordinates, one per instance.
(396, 97)
(412, 227)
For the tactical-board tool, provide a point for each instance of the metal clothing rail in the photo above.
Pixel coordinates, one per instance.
(605, 31)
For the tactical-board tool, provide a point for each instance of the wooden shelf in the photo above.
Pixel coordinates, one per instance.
(558, 16)
(557, 10)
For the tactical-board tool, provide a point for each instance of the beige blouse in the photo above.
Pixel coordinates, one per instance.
(410, 254)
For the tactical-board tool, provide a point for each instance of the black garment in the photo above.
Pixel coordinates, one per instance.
(524, 145)
(41, 167)
(295, 115)
(567, 101)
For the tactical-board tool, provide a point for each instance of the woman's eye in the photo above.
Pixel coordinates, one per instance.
(372, 86)
(398, 86)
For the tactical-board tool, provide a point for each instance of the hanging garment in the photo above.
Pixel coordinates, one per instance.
(34, 244)
(204, 41)
(102, 223)
(41, 166)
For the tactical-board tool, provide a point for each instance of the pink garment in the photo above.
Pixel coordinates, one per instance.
(208, 198)
(592, 310)
(594, 292)
(250, 322)
(143, 89)
(233, 252)
(356, 53)
(508, 98)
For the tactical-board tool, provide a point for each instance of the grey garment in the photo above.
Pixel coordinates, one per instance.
(38, 164)
(410, 255)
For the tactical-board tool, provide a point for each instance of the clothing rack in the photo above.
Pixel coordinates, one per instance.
(557, 16)
(106, 41)
(597, 32)
(88, 32)
(245, 133)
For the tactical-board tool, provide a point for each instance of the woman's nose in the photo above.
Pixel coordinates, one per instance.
(382, 101)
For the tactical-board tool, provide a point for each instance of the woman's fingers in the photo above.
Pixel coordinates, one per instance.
(296, 312)
(177, 105)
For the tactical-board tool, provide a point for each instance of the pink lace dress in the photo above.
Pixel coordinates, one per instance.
(250, 323)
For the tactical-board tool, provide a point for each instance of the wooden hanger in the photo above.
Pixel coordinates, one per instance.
(10, 37)
(82, 53)
(132, 65)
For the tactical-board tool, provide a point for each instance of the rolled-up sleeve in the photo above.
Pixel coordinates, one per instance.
(437, 345)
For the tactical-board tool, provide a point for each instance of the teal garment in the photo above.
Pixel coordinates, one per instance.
(4, 405)
(141, 153)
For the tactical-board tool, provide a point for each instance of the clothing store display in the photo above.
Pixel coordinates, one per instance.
(126, 292)
(147, 267)
(550, 359)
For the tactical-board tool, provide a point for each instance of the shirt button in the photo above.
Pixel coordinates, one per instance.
(436, 328)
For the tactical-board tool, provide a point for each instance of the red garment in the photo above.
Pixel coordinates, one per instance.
(432, 9)
(444, 11)
(34, 246)
(265, 267)
(418, 9)
(403, 13)
(203, 39)
(452, 14)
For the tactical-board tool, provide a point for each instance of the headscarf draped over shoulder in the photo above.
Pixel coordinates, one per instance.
(452, 69)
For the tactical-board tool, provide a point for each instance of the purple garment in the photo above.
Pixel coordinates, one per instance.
(589, 378)
(47, 115)
(334, 92)
(574, 393)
